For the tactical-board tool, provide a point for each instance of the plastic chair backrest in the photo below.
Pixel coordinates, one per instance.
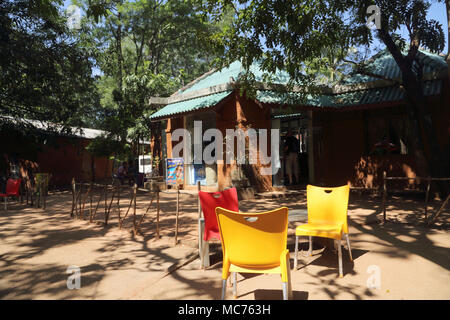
(209, 201)
(12, 187)
(253, 239)
(328, 205)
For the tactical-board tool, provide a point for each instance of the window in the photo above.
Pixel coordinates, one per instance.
(388, 135)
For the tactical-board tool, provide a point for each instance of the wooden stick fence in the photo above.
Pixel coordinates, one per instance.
(80, 199)
(427, 195)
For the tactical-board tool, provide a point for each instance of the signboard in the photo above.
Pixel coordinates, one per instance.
(199, 173)
(174, 171)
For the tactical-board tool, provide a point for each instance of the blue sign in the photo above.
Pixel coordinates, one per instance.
(174, 171)
(199, 173)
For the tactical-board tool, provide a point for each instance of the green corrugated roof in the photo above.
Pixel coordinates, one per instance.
(190, 105)
(382, 64)
(348, 99)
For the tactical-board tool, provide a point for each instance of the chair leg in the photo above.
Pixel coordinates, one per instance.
(288, 263)
(310, 246)
(341, 274)
(234, 285)
(206, 254)
(224, 288)
(296, 253)
(349, 248)
(285, 290)
(200, 243)
(6, 203)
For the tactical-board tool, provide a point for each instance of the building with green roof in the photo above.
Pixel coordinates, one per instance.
(348, 133)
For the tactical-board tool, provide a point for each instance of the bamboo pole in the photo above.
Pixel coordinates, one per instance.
(126, 214)
(177, 213)
(157, 213)
(106, 197)
(118, 200)
(90, 202)
(198, 200)
(28, 189)
(384, 196)
(426, 199)
(143, 216)
(134, 206)
(40, 193)
(109, 209)
(439, 211)
(45, 195)
(84, 201)
(98, 204)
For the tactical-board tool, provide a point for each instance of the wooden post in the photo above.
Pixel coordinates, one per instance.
(177, 213)
(198, 200)
(109, 209)
(157, 213)
(98, 204)
(26, 187)
(45, 195)
(426, 198)
(106, 197)
(384, 196)
(73, 196)
(134, 205)
(126, 214)
(40, 193)
(84, 200)
(439, 211)
(118, 200)
(90, 201)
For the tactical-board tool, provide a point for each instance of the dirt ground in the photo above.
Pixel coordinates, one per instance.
(411, 260)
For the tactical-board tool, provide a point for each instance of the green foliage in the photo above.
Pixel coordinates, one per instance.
(44, 72)
(143, 48)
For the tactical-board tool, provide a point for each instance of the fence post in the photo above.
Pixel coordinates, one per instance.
(157, 213)
(426, 198)
(134, 205)
(177, 213)
(198, 200)
(384, 196)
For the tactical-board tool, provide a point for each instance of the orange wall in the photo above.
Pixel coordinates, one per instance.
(343, 155)
(71, 160)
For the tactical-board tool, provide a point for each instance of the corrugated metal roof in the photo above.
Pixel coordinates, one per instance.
(355, 98)
(382, 64)
(190, 105)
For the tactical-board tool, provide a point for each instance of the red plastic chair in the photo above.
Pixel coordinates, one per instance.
(12, 190)
(209, 201)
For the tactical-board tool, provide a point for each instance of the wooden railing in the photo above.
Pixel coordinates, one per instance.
(427, 195)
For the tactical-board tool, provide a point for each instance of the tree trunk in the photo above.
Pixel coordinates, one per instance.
(427, 152)
(447, 3)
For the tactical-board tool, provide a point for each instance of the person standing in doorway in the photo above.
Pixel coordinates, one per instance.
(291, 148)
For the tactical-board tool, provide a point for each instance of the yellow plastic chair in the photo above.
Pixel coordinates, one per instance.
(327, 218)
(254, 243)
